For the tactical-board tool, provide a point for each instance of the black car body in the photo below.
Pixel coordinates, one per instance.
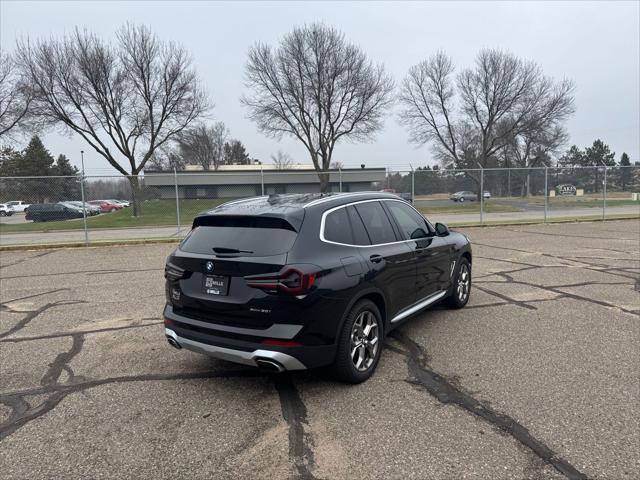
(43, 212)
(270, 281)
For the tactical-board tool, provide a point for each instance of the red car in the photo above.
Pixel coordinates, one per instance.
(105, 206)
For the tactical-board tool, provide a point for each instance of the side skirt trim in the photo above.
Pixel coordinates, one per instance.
(419, 306)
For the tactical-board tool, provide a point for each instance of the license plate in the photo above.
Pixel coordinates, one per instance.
(215, 285)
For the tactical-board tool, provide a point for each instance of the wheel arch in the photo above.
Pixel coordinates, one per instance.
(374, 295)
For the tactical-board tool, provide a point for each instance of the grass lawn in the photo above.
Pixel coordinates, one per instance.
(154, 213)
(472, 207)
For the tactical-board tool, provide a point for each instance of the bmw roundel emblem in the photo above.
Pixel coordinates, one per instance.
(209, 266)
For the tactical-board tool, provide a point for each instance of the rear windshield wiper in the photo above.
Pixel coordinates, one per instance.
(224, 250)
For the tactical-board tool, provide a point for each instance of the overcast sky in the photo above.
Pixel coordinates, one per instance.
(594, 44)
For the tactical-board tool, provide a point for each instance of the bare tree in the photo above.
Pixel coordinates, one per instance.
(15, 96)
(317, 88)
(470, 118)
(282, 160)
(203, 145)
(165, 158)
(125, 99)
(336, 165)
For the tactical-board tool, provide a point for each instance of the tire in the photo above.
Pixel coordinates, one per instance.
(459, 295)
(365, 313)
(461, 200)
(113, 210)
(2, 214)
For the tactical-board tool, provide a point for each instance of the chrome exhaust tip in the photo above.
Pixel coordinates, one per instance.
(172, 341)
(269, 365)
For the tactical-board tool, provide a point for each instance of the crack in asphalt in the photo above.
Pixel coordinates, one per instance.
(84, 332)
(22, 260)
(6, 302)
(86, 272)
(294, 412)
(22, 412)
(31, 314)
(444, 390)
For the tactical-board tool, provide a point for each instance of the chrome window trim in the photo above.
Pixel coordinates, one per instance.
(327, 212)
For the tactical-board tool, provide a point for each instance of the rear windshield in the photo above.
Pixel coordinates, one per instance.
(240, 236)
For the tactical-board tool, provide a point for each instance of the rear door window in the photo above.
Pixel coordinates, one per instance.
(240, 235)
(376, 222)
(337, 228)
(360, 236)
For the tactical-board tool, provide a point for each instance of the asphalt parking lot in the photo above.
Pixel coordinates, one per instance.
(536, 379)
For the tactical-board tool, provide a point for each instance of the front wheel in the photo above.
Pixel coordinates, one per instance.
(359, 344)
(113, 210)
(461, 200)
(460, 289)
(2, 214)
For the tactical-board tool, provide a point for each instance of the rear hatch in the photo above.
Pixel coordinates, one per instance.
(214, 259)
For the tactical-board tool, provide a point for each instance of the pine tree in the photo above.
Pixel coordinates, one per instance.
(625, 171)
(36, 160)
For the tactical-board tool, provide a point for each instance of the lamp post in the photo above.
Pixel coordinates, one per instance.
(84, 205)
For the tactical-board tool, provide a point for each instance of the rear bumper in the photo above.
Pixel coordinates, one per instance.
(287, 362)
(244, 345)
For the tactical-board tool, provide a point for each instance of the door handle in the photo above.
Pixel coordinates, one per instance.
(376, 258)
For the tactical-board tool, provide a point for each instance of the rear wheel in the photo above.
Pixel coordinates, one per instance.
(113, 210)
(461, 285)
(359, 344)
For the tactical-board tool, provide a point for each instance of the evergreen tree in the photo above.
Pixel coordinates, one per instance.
(625, 171)
(66, 188)
(36, 160)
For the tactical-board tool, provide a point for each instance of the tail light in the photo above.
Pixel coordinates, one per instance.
(173, 272)
(290, 281)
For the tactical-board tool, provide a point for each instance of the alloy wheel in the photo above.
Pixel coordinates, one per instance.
(364, 340)
(464, 283)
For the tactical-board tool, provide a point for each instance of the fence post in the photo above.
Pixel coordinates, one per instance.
(413, 185)
(84, 205)
(175, 182)
(604, 194)
(261, 181)
(481, 194)
(340, 178)
(546, 192)
(509, 180)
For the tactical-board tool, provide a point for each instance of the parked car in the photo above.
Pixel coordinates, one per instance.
(18, 205)
(298, 281)
(486, 194)
(124, 203)
(42, 212)
(106, 205)
(464, 196)
(6, 210)
(91, 209)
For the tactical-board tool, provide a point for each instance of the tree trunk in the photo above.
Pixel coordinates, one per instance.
(136, 194)
(324, 181)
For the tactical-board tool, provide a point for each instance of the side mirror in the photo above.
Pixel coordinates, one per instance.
(441, 230)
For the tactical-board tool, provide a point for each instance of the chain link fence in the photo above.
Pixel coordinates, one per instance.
(50, 210)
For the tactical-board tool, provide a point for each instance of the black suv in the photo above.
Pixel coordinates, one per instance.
(290, 282)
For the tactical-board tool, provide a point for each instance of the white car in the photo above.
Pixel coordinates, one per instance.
(18, 205)
(6, 210)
